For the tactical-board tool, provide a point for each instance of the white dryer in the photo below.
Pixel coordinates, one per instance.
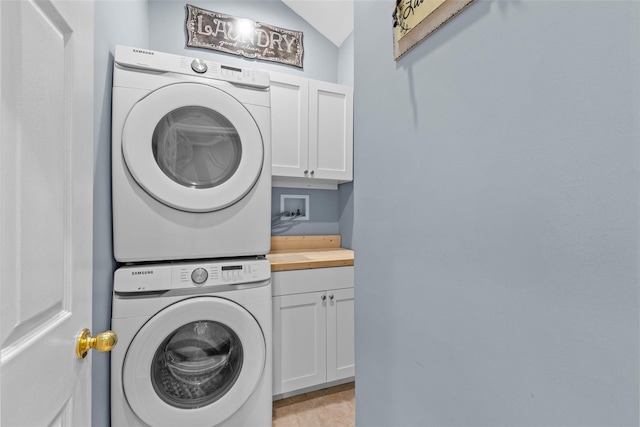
(194, 344)
(191, 158)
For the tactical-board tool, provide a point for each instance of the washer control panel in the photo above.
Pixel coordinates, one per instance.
(227, 273)
(164, 277)
(199, 276)
(199, 66)
(166, 62)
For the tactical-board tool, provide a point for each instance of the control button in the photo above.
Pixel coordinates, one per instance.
(199, 66)
(199, 276)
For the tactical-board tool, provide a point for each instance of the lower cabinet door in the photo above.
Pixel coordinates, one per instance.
(300, 339)
(340, 334)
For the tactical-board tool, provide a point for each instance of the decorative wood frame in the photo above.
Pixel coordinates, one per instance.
(415, 20)
(240, 36)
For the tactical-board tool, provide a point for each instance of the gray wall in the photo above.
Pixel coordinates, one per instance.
(323, 212)
(345, 197)
(331, 212)
(116, 22)
(345, 61)
(496, 217)
(346, 214)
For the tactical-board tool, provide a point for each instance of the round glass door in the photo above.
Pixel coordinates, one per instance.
(193, 147)
(194, 363)
(197, 364)
(196, 147)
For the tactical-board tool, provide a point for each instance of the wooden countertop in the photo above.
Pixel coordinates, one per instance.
(303, 252)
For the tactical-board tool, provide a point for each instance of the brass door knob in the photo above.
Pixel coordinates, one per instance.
(104, 341)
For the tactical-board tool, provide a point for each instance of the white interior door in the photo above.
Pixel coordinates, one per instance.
(46, 184)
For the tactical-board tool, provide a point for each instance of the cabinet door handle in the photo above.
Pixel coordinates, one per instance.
(330, 296)
(312, 172)
(323, 297)
(306, 172)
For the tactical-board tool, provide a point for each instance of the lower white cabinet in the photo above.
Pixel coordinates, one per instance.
(340, 334)
(313, 327)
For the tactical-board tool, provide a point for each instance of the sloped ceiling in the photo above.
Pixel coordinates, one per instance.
(332, 18)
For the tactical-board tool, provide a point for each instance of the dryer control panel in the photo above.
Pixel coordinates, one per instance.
(164, 277)
(166, 62)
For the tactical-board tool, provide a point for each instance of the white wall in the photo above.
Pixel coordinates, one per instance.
(496, 191)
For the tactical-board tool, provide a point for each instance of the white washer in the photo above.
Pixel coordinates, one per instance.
(194, 344)
(191, 158)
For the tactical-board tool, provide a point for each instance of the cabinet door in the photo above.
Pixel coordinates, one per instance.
(330, 131)
(299, 341)
(340, 334)
(289, 125)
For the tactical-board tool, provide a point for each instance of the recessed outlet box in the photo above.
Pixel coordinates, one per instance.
(294, 207)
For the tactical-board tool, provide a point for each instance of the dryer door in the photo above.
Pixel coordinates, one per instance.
(193, 147)
(194, 363)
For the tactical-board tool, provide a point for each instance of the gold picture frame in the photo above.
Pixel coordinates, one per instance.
(415, 20)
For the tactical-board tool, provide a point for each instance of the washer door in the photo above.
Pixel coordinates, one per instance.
(193, 147)
(194, 363)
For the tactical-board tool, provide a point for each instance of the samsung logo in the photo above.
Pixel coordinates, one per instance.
(136, 273)
(145, 52)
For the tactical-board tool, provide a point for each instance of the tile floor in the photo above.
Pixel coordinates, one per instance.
(332, 407)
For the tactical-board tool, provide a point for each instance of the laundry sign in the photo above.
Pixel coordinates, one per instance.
(240, 36)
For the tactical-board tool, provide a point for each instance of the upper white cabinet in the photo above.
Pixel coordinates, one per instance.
(311, 132)
(289, 126)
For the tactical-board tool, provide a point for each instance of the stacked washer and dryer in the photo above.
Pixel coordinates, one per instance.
(191, 186)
